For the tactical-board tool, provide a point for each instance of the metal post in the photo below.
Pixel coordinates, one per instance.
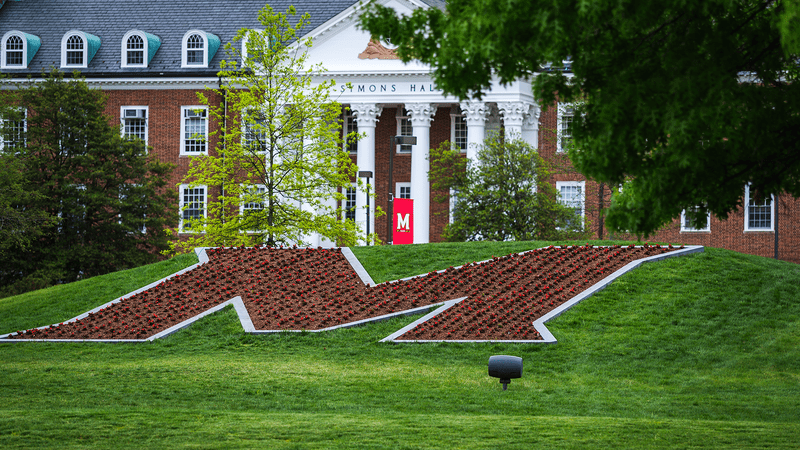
(389, 190)
(366, 174)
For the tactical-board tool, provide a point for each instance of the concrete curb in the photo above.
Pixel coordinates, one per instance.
(247, 323)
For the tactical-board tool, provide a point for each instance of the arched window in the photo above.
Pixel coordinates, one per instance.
(135, 51)
(195, 46)
(198, 48)
(14, 52)
(75, 51)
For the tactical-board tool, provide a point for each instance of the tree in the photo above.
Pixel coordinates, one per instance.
(689, 100)
(502, 195)
(280, 161)
(104, 191)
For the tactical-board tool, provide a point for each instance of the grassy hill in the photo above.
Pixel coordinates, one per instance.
(692, 352)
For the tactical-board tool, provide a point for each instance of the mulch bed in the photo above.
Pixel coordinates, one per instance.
(314, 289)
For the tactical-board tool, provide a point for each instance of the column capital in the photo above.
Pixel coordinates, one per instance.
(532, 117)
(421, 114)
(475, 112)
(366, 113)
(514, 113)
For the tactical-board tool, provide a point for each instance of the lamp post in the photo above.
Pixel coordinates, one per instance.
(395, 141)
(366, 174)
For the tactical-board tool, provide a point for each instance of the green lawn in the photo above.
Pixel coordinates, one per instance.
(700, 351)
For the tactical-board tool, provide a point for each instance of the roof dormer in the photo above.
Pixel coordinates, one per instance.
(18, 49)
(138, 48)
(198, 49)
(78, 49)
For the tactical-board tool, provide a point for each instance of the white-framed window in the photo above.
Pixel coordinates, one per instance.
(193, 205)
(572, 194)
(12, 133)
(350, 125)
(566, 113)
(350, 203)
(134, 121)
(695, 224)
(75, 49)
(458, 131)
(134, 49)
(758, 211)
(404, 128)
(14, 49)
(402, 190)
(252, 203)
(254, 132)
(194, 51)
(194, 130)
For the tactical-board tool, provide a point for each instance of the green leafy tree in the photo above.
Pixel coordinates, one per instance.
(105, 192)
(503, 195)
(691, 100)
(279, 161)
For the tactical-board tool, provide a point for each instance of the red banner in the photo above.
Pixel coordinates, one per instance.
(403, 210)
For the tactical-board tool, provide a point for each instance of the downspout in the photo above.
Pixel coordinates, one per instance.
(777, 202)
(222, 135)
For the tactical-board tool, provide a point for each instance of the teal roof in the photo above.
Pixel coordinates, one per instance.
(213, 45)
(93, 45)
(153, 44)
(33, 45)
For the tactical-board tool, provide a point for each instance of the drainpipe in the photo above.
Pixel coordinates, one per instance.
(777, 202)
(222, 133)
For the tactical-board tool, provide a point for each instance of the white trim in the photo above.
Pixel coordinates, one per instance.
(353, 188)
(124, 58)
(184, 110)
(181, 191)
(402, 185)
(686, 229)
(454, 118)
(562, 111)
(146, 118)
(24, 129)
(747, 212)
(85, 50)
(3, 51)
(185, 49)
(581, 193)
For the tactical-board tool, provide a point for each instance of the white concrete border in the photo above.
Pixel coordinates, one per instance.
(538, 325)
(247, 323)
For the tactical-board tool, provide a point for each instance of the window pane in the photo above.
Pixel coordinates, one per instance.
(405, 129)
(759, 213)
(194, 50)
(75, 50)
(194, 131)
(135, 50)
(194, 201)
(460, 132)
(350, 204)
(14, 47)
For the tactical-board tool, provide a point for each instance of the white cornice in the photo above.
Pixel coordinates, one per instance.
(132, 83)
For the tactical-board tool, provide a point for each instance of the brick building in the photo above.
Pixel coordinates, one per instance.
(152, 57)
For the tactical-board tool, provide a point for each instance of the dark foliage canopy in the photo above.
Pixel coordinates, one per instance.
(98, 198)
(686, 101)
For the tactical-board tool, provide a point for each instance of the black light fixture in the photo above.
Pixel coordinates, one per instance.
(505, 367)
(395, 141)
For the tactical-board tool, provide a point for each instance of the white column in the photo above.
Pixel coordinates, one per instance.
(475, 113)
(421, 115)
(513, 115)
(530, 126)
(366, 115)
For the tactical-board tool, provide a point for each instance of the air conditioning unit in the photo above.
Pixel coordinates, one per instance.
(135, 113)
